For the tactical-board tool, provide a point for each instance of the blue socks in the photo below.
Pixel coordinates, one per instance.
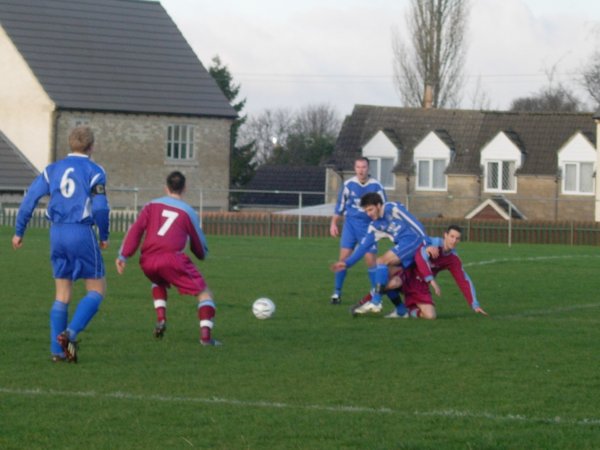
(339, 281)
(87, 308)
(372, 271)
(59, 314)
(381, 279)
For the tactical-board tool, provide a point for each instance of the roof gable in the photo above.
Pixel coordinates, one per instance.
(496, 206)
(112, 55)
(16, 172)
(502, 147)
(432, 146)
(380, 145)
(577, 149)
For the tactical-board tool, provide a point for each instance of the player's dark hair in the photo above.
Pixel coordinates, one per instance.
(176, 182)
(371, 199)
(455, 228)
(81, 139)
(363, 158)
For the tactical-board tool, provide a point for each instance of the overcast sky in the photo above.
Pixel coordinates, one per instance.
(291, 54)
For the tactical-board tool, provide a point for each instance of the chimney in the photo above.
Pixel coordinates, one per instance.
(428, 97)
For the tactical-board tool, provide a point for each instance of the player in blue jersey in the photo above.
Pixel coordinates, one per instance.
(76, 186)
(388, 220)
(356, 221)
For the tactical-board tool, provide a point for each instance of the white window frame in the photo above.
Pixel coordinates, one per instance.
(429, 186)
(184, 143)
(500, 163)
(375, 170)
(578, 180)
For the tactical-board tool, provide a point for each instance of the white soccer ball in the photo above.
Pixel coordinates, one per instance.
(263, 308)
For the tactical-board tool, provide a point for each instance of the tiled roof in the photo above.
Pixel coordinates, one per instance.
(111, 55)
(538, 135)
(286, 178)
(16, 172)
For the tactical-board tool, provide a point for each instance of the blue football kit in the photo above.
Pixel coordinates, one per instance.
(356, 220)
(76, 186)
(403, 229)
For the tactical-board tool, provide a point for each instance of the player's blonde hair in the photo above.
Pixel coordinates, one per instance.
(81, 139)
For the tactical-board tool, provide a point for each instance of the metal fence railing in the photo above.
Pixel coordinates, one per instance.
(304, 214)
(269, 224)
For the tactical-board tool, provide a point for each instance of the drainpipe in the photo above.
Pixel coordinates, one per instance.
(54, 137)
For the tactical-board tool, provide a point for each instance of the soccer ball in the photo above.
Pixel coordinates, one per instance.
(263, 308)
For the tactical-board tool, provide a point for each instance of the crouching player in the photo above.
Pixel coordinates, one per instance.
(168, 222)
(414, 281)
(388, 220)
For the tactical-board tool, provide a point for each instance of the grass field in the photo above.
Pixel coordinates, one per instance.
(312, 377)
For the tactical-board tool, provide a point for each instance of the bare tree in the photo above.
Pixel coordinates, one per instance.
(555, 97)
(268, 130)
(304, 137)
(591, 77)
(552, 98)
(430, 69)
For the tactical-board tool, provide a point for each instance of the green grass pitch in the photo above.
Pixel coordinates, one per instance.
(312, 377)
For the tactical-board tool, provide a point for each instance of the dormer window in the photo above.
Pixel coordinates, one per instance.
(383, 155)
(500, 176)
(431, 157)
(381, 169)
(576, 162)
(430, 174)
(500, 159)
(578, 178)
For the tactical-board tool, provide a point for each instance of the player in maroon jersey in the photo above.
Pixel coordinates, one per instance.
(414, 282)
(166, 224)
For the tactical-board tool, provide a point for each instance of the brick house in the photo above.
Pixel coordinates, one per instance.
(124, 68)
(457, 163)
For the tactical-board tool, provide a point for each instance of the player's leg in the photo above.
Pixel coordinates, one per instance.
(158, 269)
(74, 253)
(352, 233)
(59, 316)
(87, 307)
(85, 262)
(371, 262)
(206, 314)
(386, 260)
(423, 311)
(339, 277)
(418, 298)
(159, 296)
(393, 291)
(184, 275)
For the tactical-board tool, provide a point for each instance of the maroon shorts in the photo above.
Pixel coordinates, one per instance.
(173, 269)
(416, 290)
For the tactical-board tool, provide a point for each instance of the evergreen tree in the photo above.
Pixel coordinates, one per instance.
(242, 165)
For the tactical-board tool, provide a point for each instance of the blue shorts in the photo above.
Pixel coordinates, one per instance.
(352, 233)
(74, 252)
(407, 247)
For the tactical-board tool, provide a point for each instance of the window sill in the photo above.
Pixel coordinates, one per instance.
(181, 162)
